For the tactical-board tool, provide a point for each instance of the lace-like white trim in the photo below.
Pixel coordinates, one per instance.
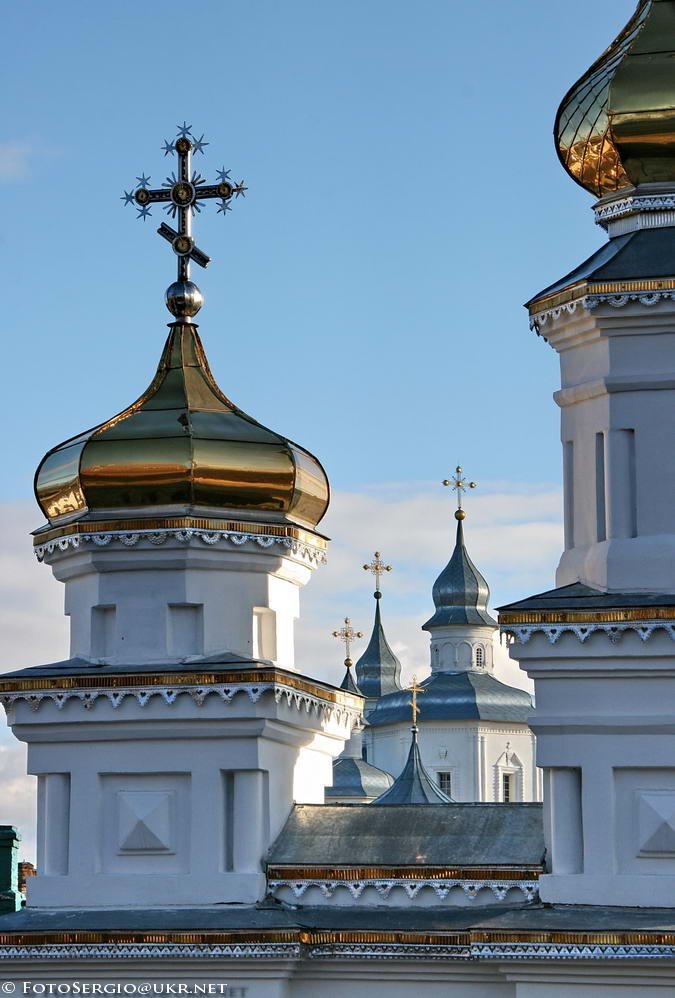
(306, 552)
(411, 888)
(87, 698)
(645, 628)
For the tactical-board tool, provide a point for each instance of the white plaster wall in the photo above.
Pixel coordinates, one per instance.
(212, 784)
(454, 648)
(341, 978)
(476, 753)
(605, 730)
(618, 375)
(149, 604)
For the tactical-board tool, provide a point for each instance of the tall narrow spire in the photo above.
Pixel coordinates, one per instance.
(378, 671)
(347, 635)
(414, 785)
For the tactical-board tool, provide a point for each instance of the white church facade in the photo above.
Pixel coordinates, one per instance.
(474, 735)
(183, 831)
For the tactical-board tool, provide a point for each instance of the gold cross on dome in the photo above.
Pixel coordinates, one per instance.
(459, 484)
(347, 634)
(416, 690)
(377, 567)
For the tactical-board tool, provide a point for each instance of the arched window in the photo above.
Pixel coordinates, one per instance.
(480, 657)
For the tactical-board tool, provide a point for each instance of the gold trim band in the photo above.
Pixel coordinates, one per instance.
(577, 291)
(357, 873)
(587, 616)
(173, 680)
(313, 937)
(180, 523)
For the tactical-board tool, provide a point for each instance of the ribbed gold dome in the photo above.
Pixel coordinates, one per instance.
(183, 447)
(616, 126)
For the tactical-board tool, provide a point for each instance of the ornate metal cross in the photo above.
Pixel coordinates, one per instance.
(181, 195)
(416, 690)
(459, 485)
(347, 634)
(377, 567)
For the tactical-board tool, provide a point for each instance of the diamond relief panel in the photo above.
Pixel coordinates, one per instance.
(656, 823)
(144, 821)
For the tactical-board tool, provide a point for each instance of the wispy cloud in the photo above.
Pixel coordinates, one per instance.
(513, 534)
(16, 157)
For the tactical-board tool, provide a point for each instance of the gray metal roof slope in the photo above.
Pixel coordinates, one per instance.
(458, 696)
(357, 778)
(348, 683)
(378, 671)
(414, 785)
(491, 835)
(460, 592)
(640, 254)
(578, 596)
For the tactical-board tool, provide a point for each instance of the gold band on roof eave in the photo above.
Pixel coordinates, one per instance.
(206, 677)
(130, 526)
(349, 874)
(586, 616)
(578, 291)
(322, 936)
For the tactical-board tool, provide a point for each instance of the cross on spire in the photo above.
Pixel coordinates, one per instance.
(347, 634)
(181, 195)
(377, 567)
(459, 484)
(416, 690)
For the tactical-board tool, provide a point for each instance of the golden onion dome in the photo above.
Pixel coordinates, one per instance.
(616, 126)
(182, 448)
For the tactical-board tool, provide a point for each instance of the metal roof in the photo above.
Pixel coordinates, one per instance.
(460, 592)
(414, 785)
(378, 671)
(357, 778)
(421, 835)
(457, 696)
(640, 254)
(577, 596)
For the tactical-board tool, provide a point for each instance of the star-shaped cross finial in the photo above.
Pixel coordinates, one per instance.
(182, 195)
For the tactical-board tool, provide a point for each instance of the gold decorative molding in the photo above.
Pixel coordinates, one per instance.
(578, 291)
(315, 937)
(181, 523)
(350, 874)
(137, 681)
(611, 616)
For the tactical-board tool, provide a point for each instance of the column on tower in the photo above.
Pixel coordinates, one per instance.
(600, 646)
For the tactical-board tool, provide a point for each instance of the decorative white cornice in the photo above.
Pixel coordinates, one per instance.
(658, 208)
(300, 699)
(152, 951)
(407, 888)
(569, 951)
(514, 950)
(593, 301)
(614, 631)
(298, 549)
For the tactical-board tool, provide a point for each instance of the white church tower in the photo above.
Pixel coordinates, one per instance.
(600, 647)
(473, 736)
(171, 744)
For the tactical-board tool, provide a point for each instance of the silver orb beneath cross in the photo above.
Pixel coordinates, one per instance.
(184, 299)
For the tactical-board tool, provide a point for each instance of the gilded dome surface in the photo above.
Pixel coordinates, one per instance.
(182, 447)
(616, 126)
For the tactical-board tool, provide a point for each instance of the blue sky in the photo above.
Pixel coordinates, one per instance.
(365, 299)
